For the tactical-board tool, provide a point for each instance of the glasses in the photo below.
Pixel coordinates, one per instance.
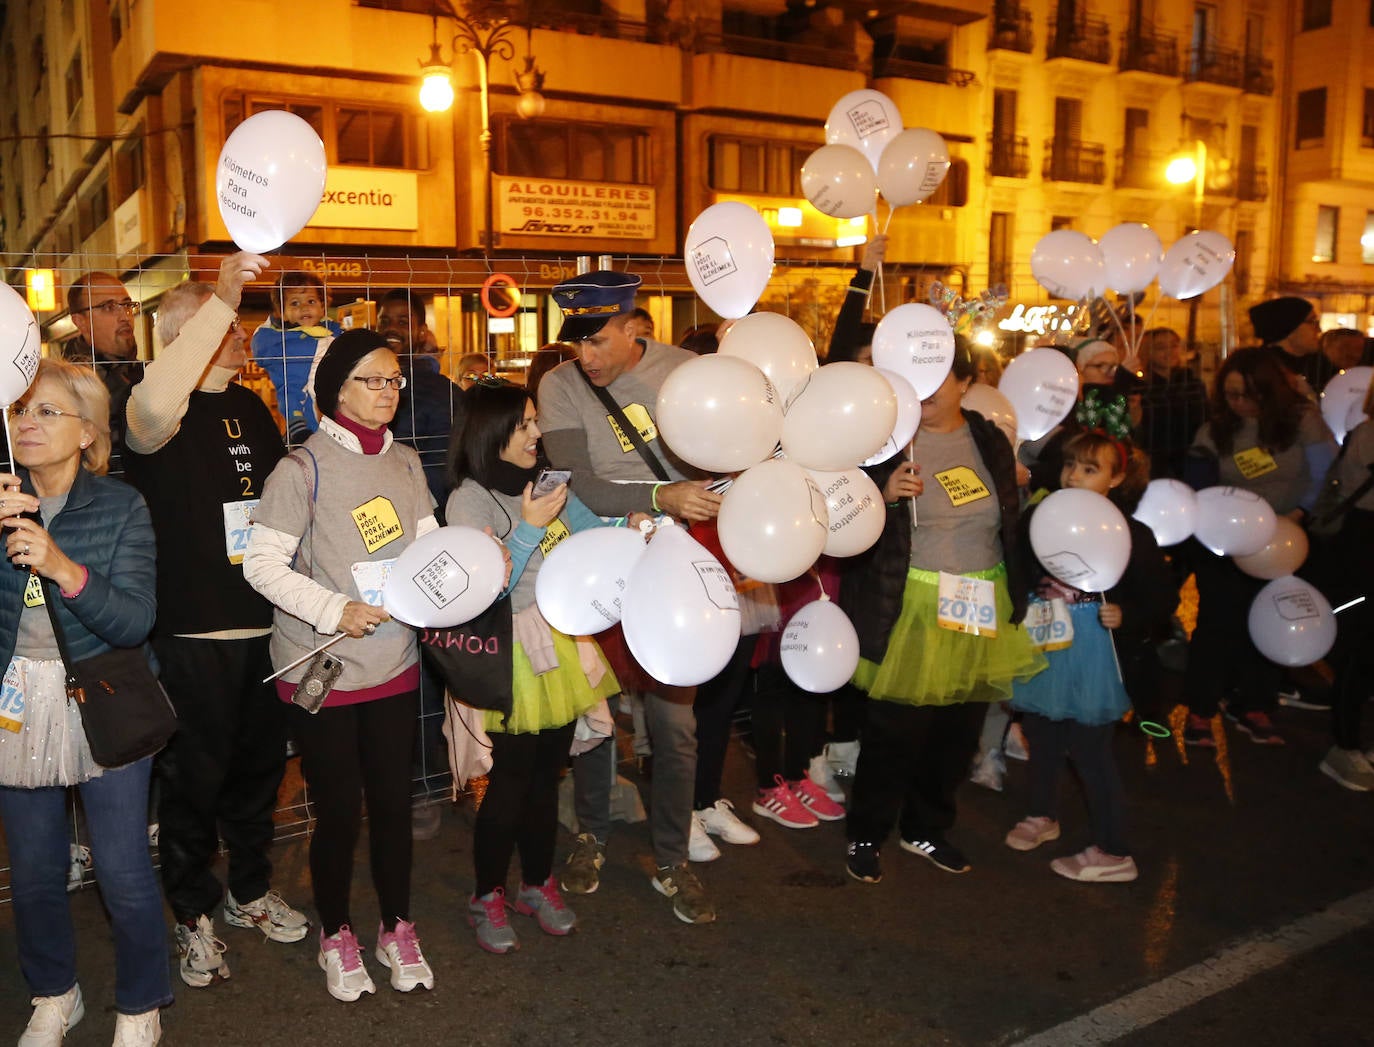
(377, 383)
(114, 307)
(43, 414)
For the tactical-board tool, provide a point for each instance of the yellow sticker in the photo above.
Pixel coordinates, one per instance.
(638, 416)
(33, 591)
(378, 523)
(962, 485)
(554, 534)
(1254, 461)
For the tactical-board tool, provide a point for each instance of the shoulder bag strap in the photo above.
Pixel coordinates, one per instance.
(1346, 503)
(631, 433)
(59, 634)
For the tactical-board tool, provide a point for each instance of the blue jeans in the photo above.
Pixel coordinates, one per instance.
(39, 838)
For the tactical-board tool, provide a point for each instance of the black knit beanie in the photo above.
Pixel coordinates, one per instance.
(1276, 319)
(338, 362)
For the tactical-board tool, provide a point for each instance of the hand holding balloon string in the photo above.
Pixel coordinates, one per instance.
(28, 544)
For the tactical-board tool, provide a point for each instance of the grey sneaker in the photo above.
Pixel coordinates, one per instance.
(690, 903)
(269, 914)
(487, 915)
(545, 904)
(582, 872)
(202, 954)
(1350, 768)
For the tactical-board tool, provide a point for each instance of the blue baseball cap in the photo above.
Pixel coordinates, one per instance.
(589, 300)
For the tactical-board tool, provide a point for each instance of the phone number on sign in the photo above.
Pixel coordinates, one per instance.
(582, 213)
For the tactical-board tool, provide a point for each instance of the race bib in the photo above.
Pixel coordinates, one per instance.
(962, 485)
(638, 416)
(555, 533)
(967, 605)
(33, 591)
(238, 518)
(11, 701)
(369, 577)
(378, 523)
(1049, 625)
(1254, 461)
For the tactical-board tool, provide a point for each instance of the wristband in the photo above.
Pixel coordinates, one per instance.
(85, 577)
(653, 498)
(893, 505)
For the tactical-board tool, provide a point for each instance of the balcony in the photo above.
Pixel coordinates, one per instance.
(777, 50)
(1008, 156)
(1148, 51)
(1084, 39)
(1257, 76)
(907, 69)
(1213, 65)
(1010, 30)
(1252, 184)
(1140, 169)
(1069, 160)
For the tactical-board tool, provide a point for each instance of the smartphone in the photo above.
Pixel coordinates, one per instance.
(318, 681)
(549, 479)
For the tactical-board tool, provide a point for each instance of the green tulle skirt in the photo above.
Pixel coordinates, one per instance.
(928, 665)
(556, 698)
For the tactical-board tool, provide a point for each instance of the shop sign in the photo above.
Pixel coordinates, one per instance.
(368, 198)
(591, 210)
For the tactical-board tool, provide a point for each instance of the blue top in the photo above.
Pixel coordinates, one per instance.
(286, 354)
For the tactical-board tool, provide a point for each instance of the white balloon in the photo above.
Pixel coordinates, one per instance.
(913, 165)
(1196, 263)
(445, 578)
(1343, 400)
(729, 255)
(1068, 264)
(1291, 622)
(992, 404)
(775, 344)
(269, 179)
(1169, 509)
(582, 582)
(819, 648)
(916, 341)
(1081, 538)
(773, 522)
(842, 416)
(23, 345)
(1232, 521)
(838, 180)
(908, 418)
(865, 119)
(1042, 385)
(856, 510)
(1132, 253)
(719, 413)
(681, 619)
(1284, 554)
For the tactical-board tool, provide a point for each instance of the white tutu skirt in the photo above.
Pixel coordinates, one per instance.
(50, 746)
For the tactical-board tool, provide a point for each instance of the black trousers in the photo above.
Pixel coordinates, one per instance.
(789, 726)
(912, 761)
(520, 809)
(847, 707)
(220, 773)
(1222, 660)
(714, 707)
(348, 752)
(1090, 749)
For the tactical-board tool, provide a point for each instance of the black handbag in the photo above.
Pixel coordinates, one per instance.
(474, 660)
(124, 710)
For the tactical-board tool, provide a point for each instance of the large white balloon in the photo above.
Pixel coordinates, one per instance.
(913, 165)
(908, 418)
(856, 508)
(819, 648)
(992, 404)
(777, 345)
(1042, 385)
(842, 416)
(582, 582)
(1284, 554)
(445, 578)
(681, 619)
(838, 180)
(1232, 521)
(773, 522)
(916, 341)
(22, 344)
(1343, 400)
(1291, 622)
(719, 413)
(1169, 509)
(1196, 263)
(1067, 264)
(865, 119)
(1081, 538)
(269, 179)
(729, 255)
(1131, 252)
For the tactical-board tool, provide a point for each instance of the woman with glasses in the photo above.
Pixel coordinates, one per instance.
(84, 542)
(334, 515)
(1263, 437)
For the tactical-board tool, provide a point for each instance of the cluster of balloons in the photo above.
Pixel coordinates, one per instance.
(867, 152)
(269, 179)
(1128, 257)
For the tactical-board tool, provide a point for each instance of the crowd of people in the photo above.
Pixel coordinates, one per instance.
(246, 557)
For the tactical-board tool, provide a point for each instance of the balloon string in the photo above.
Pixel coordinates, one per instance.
(911, 457)
(1347, 606)
(9, 443)
(1136, 337)
(1116, 319)
(819, 584)
(1150, 316)
(1111, 641)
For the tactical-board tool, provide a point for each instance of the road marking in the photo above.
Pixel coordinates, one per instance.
(1223, 971)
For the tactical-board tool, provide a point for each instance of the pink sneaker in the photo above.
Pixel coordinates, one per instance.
(782, 805)
(399, 952)
(816, 800)
(1030, 833)
(1096, 866)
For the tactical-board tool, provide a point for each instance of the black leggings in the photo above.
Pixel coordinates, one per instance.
(520, 808)
(1090, 749)
(789, 726)
(1221, 655)
(348, 752)
(714, 707)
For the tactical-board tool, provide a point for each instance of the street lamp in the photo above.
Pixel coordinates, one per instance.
(1191, 167)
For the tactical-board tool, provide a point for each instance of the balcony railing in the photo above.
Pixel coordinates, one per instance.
(1140, 169)
(1069, 160)
(777, 50)
(1008, 156)
(906, 69)
(1258, 76)
(1252, 183)
(1214, 65)
(1148, 51)
(1010, 29)
(1086, 39)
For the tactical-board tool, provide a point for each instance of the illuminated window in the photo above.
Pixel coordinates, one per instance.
(1367, 239)
(1324, 247)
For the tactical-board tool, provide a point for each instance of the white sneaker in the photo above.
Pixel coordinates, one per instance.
(843, 757)
(52, 1017)
(399, 952)
(269, 914)
(1016, 747)
(699, 845)
(202, 954)
(820, 772)
(138, 1030)
(342, 962)
(989, 770)
(721, 820)
(76, 872)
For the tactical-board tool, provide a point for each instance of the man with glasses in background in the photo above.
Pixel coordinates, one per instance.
(1290, 327)
(103, 312)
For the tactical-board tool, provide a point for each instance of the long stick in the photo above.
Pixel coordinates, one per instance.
(9, 442)
(306, 657)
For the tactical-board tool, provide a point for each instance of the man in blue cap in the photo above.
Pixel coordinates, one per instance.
(586, 407)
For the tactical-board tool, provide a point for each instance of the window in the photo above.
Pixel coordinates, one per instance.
(1240, 272)
(1311, 122)
(76, 87)
(1324, 247)
(1316, 14)
(1136, 135)
(93, 210)
(1060, 221)
(129, 167)
(1000, 248)
(953, 191)
(558, 149)
(755, 165)
(352, 133)
(371, 137)
(1367, 120)
(1367, 239)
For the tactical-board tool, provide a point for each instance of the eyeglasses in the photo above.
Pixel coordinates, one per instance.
(43, 414)
(114, 307)
(377, 383)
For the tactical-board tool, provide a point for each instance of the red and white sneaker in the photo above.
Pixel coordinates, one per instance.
(782, 805)
(815, 799)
